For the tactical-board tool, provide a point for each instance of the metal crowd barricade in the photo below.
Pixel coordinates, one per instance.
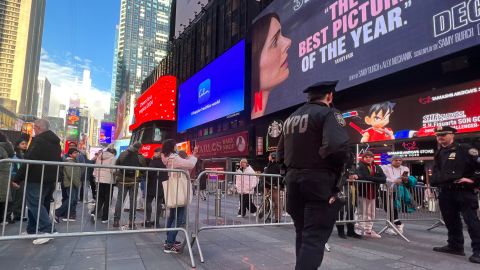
(364, 205)
(417, 203)
(54, 193)
(223, 209)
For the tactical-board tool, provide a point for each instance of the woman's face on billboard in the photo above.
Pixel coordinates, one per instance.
(273, 59)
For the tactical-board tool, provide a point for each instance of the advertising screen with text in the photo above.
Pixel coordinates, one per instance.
(215, 91)
(157, 103)
(418, 115)
(296, 44)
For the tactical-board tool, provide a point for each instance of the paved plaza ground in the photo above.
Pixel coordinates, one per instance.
(252, 248)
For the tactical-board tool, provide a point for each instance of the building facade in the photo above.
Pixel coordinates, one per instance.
(43, 102)
(21, 28)
(222, 23)
(141, 44)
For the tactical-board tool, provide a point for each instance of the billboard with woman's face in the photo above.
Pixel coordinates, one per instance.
(297, 43)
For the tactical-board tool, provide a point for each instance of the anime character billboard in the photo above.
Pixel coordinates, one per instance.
(417, 115)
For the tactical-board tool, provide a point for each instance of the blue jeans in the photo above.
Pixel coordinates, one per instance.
(180, 216)
(62, 211)
(33, 198)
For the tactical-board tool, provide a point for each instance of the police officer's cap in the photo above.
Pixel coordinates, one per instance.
(324, 87)
(445, 130)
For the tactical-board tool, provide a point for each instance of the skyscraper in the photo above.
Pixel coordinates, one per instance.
(21, 27)
(43, 102)
(142, 42)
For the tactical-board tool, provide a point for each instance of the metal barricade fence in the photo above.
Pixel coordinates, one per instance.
(36, 195)
(364, 205)
(416, 203)
(367, 202)
(259, 200)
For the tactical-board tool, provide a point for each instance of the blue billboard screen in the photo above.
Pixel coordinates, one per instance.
(106, 132)
(215, 91)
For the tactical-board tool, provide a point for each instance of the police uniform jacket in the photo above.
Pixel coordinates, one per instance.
(453, 163)
(314, 144)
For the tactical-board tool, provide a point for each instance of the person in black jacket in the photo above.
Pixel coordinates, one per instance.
(456, 173)
(155, 189)
(367, 170)
(45, 146)
(274, 185)
(314, 149)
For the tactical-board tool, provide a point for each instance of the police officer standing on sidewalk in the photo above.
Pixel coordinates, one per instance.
(313, 148)
(456, 174)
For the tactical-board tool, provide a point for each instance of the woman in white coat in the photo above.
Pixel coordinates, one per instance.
(245, 185)
(105, 181)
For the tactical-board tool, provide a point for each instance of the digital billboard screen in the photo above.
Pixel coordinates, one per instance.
(417, 115)
(298, 43)
(157, 103)
(107, 130)
(215, 91)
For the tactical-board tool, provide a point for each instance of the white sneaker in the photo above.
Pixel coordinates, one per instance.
(239, 216)
(254, 214)
(390, 231)
(41, 241)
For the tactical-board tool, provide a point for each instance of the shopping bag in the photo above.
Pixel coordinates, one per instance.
(177, 190)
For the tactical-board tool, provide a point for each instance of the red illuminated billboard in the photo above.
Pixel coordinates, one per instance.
(157, 103)
(417, 115)
(148, 149)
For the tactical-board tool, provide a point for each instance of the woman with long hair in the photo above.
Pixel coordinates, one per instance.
(269, 60)
(178, 215)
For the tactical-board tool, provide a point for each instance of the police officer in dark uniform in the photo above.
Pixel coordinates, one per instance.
(456, 174)
(313, 148)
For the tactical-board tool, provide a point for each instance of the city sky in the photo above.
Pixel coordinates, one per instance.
(78, 35)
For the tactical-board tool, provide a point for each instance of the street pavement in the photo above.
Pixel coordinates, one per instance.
(245, 248)
(248, 248)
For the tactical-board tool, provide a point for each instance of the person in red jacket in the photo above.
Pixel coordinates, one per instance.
(367, 170)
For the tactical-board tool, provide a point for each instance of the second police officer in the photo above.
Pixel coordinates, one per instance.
(456, 174)
(313, 148)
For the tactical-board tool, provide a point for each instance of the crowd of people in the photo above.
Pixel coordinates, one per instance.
(39, 182)
(364, 185)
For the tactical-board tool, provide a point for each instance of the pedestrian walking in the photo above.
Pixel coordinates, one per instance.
(314, 149)
(105, 180)
(128, 182)
(245, 185)
(456, 173)
(45, 146)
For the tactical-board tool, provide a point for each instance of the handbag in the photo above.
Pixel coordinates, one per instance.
(177, 189)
